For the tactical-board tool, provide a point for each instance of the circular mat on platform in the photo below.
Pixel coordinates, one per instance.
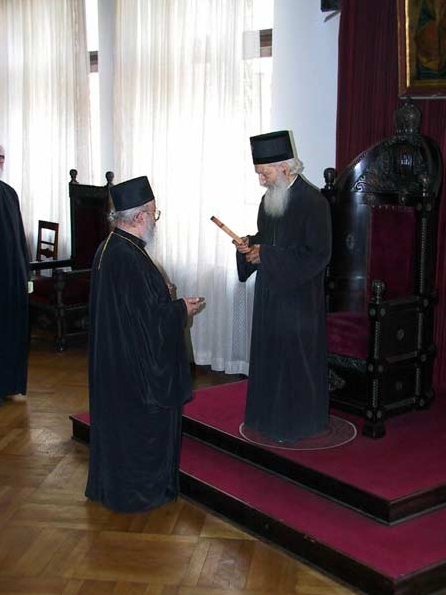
(338, 432)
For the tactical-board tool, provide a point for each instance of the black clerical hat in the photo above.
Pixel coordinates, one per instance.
(131, 193)
(271, 147)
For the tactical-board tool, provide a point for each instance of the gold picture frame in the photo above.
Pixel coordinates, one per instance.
(422, 48)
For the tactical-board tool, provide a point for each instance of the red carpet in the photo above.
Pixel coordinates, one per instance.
(393, 551)
(407, 558)
(409, 459)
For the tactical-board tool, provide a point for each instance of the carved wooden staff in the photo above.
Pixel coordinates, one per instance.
(226, 229)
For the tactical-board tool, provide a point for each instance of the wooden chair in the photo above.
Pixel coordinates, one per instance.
(47, 249)
(59, 304)
(380, 281)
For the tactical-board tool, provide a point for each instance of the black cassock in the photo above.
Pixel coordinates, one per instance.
(14, 271)
(139, 378)
(287, 386)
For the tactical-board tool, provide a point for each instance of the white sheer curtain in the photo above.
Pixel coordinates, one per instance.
(186, 102)
(44, 107)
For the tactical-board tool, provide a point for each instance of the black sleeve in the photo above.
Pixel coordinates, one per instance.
(246, 269)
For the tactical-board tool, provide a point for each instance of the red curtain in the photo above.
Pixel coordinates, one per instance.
(367, 100)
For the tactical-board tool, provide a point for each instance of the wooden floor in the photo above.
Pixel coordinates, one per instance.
(55, 542)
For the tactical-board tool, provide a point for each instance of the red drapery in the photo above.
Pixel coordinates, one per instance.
(367, 99)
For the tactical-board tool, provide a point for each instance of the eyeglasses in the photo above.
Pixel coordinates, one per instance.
(156, 214)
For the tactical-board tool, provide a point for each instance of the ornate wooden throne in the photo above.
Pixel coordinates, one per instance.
(380, 281)
(59, 303)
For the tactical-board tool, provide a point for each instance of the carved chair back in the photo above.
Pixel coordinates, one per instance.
(89, 221)
(384, 217)
(47, 241)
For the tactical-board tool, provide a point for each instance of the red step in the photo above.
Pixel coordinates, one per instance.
(408, 558)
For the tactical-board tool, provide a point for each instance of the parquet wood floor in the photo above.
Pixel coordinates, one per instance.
(55, 542)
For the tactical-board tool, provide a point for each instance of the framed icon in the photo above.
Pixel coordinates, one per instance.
(422, 48)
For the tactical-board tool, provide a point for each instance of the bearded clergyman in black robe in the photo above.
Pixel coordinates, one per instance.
(287, 386)
(139, 375)
(14, 274)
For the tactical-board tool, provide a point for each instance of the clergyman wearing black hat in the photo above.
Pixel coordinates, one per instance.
(139, 374)
(287, 386)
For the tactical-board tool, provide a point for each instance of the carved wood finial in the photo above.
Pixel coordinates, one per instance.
(425, 183)
(378, 289)
(329, 177)
(408, 117)
(73, 175)
(109, 176)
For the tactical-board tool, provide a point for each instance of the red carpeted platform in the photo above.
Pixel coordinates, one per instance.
(234, 478)
(401, 474)
(409, 558)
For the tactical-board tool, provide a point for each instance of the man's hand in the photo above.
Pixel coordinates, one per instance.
(243, 248)
(252, 252)
(253, 256)
(194, 305)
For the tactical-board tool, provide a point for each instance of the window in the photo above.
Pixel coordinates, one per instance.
(263, 21)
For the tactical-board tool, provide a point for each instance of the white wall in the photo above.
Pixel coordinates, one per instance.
(304, 88)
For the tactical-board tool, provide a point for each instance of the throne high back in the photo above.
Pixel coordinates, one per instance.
(59, 303)
(380, 281)
(89, 208)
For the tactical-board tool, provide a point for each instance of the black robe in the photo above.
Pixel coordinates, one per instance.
(287, 386)
(139, 378)
(14, 274)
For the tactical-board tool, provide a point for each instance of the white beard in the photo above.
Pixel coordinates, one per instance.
(149, 236)
(1, 173)
(276, 199)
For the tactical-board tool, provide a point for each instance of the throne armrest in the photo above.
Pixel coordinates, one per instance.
(64, 287)
(378, 307)
(72, 287)
(388, 328)
(396, 325)
(402, 303)
(71, 274)
(43, 265)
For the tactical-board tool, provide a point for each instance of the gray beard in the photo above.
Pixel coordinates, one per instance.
(276, 199)
(149, 236)
(1, 173)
